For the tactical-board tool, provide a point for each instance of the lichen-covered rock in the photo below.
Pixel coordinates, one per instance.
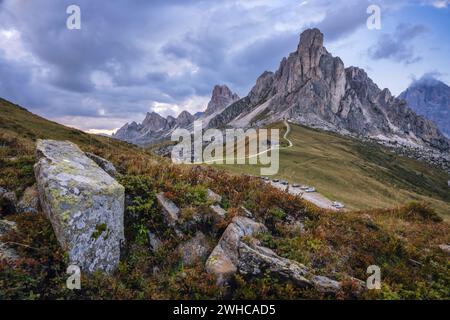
(29, 203)
(224, 259)
(255, 259)
(84, 204)
(7, 253)
(103, 163)
(194, 250)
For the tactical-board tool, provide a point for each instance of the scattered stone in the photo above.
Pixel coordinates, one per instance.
(445, 248)
(8, 202)
(84, 204)
(224, 258)
(103, 163)
(154, 242)
(213, 197)
(7, 253)
(194, 250)
(30, 201)
(255, 259)
(219, 212)
(294, 225)
(247, 213)
(170, 210)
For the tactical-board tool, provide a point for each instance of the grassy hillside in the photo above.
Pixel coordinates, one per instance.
(403, 240)
(362, 175)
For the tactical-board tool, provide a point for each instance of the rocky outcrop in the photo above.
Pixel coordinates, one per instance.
(430, 98)
(84, 204)
(103, 163)
(255, 260)
(224, 259)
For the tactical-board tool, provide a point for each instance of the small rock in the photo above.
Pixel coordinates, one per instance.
(219, 212)
(170, 210)
(445, 248)
(8, 202)
(247, 213)
(194, 250)
(154, 242)
(30, 201)
(103, 163)
(213, 197)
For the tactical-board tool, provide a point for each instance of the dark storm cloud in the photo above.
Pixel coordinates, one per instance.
(130, 55)
(397, 46)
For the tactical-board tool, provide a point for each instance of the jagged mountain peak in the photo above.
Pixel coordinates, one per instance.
(313, 88)
(221, 98)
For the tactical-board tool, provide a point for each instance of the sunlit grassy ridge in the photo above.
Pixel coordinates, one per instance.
(362, 175)
(403, 241)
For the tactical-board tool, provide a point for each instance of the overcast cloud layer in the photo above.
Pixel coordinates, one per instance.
(131, 57)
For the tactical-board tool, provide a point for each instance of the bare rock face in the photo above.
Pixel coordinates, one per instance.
(84, 204)
(224, 259)
(221, 98)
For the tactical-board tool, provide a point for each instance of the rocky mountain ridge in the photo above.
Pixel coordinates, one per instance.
(313, 88)
(156, 128)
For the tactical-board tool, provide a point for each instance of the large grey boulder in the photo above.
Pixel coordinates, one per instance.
(224, 259)
(84, 204)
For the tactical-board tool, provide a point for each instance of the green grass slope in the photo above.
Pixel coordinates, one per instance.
(362, 175)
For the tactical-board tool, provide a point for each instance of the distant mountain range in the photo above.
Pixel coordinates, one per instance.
(312, 88)
(430, 98)
(156, 128)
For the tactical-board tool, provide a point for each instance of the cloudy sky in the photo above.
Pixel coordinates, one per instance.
(135, 56)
